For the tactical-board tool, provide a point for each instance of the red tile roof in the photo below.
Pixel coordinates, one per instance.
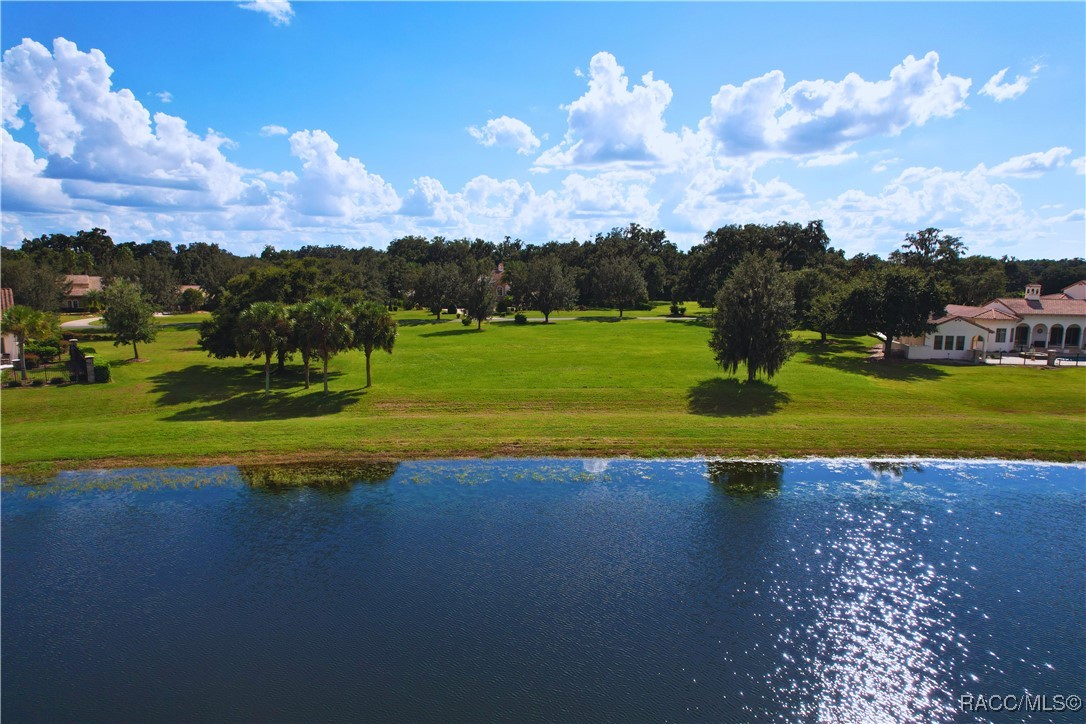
(1030, 307)
(7, 300)
(963, 311)
(952, 317)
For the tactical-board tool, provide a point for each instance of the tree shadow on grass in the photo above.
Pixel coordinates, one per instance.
(229, 393)
(422, 322)
(452, 332)
(277, 405)
(720, 397)
(844, 353)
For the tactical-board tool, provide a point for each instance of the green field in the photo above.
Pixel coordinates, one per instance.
(592, 386)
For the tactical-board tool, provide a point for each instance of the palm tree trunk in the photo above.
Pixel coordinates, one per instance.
(326, 373)
(369, 380)
(22, 356)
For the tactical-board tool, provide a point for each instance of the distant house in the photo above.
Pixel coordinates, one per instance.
(1039, 322)
(8, 347)
(81, 284)
(498, 279)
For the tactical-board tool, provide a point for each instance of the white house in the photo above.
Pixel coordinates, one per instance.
(8, 348)
(1040, 322)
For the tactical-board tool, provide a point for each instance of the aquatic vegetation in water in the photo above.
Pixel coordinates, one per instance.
(316, 475)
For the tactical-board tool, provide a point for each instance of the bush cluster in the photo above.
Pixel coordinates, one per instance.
(519, 318)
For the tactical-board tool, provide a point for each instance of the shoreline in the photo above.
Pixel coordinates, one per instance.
(35, 469)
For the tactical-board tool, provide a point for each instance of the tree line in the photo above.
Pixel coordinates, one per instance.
(409, 265)
(623, 269)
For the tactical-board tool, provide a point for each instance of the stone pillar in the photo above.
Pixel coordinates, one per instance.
(90, 367)
(1051, 358)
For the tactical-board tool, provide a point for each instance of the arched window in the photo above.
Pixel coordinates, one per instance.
(1055, 337)
(1040, 335)
(1073, 338)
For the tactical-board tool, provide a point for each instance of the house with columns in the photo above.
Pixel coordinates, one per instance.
(1036, 322)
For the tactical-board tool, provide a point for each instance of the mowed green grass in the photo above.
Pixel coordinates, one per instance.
(586, 387)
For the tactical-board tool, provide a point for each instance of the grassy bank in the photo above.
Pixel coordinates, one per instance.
(594, 386)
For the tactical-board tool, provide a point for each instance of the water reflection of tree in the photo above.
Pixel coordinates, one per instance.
(895, 469)
(747, 479)
(325, 476)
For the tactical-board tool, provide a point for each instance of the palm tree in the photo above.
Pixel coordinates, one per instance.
(26, 323)
(374, 328)
(330, 332)
(301, 326)
(262, 329)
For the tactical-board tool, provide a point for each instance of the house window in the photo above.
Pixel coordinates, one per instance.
(1001, 334)
(938, 341)
(959, 343)
(1074, 335)
(1055, 336)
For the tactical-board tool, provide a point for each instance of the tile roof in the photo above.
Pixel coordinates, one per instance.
(7, 300)
(1030, 307)
(964, 311)
(997, 315)
(83, 283)
(952, 317)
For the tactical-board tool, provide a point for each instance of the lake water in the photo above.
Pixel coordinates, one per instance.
(559, 590)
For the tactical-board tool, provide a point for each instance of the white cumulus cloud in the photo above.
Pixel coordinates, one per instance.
(816, 116)
(165, 96)
(103, 144)
(613, 124)
(331, 185)
(508, 132)
(278, 11)
(1032, 165)
(1079, 164)
(273, 131)
(999, 91)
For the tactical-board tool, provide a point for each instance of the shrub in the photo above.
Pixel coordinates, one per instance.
(14, 383)
(38, 383)
(44, 350)
(466, 321)
(519, 318)
(56, 381)
(502, 307)
(102, 372)
(87, 350)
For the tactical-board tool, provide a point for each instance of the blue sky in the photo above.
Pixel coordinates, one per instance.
(308, 123)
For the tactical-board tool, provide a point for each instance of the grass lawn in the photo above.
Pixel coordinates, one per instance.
(594, 386)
